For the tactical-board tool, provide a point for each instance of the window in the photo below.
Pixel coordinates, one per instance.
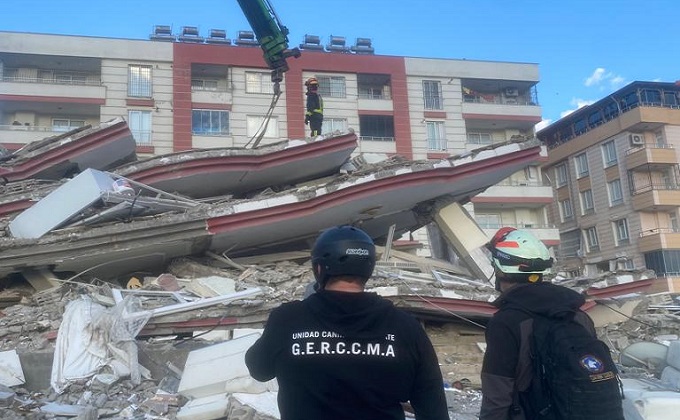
(204, 84)
(581, 165)
(669, 98)
(673, 221)
(587, 206)
(566, 210)
(651, 96)
(70, 78)
(488, 221)
(660, 141)
(621, 231)
(209, 122)
(259, 83)
(332, 86)
(609, 154)
(139, 81)
(436, 139)
(332, 124)
(432, 94)
(140, 125)
(65, 124)
(580, 126)
(591, 239)
(376, 127)
(595, 119)
(254, 123)
(615, 192)
(531, 173)
(479, 138)
(561, 175)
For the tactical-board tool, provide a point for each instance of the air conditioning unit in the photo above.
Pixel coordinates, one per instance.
(636, 140)
(511, 92)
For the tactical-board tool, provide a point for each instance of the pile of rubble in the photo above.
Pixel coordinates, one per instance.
(119, 275)
(34, 332)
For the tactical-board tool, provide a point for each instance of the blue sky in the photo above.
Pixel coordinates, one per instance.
(585, 49)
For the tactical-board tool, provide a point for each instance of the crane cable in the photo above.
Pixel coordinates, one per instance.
(257, 137)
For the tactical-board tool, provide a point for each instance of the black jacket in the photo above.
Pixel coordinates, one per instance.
(507, 362)
(340, 356)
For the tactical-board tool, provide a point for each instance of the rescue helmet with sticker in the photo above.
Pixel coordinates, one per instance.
(312, 82)
(343, 251)
(519, 255)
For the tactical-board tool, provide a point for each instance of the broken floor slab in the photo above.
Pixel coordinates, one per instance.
(102, 147)
(221, 368)
(392, 194)
(236, 171)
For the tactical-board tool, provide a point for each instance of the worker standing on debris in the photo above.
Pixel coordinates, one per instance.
(343, 353)
(314, 114)
(539, 321)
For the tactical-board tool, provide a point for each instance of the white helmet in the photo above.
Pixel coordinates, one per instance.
(517, 252)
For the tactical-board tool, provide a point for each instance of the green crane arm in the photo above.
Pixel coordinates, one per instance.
(271, 34)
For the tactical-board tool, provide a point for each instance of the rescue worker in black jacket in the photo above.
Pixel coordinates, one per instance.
(343, 353)
(314, 114)
(519, 260)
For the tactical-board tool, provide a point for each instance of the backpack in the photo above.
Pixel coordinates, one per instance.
(575, 377)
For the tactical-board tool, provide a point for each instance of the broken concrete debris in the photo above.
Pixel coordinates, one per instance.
(126, 281)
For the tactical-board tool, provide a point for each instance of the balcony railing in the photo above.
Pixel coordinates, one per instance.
(657, 231)
(64, 78)
(515, 225)
(41, 128)
(515, 183)
(376, 138)
(666, 186)
(373, 95)
(498, 100)
(649, 146)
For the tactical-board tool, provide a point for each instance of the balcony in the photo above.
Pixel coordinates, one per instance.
(375, 93)
(210, 96)
(650, 157)
(656, 197)
(527, 193)
(51, 83)
(22, 134)
(546, 233)
(499, 114)
(658, 238)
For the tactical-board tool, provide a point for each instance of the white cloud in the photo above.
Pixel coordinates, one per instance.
(580, 103)
(601, 76)
(577, 103)
(543, 124)
(596, 77)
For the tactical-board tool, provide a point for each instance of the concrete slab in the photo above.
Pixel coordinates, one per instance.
(37, 367)
(206, 408)
(221, 368)
(11, 373)
(673, 356)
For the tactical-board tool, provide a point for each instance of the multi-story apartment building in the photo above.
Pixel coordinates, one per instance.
(195, 92)
(614, 167)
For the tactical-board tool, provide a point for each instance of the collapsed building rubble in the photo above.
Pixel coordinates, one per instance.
(192, 250)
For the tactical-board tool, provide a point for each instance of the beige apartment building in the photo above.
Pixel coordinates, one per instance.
(614, 167)
(184, 91)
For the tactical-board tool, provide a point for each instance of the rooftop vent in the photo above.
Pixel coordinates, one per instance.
(363, 46)
(162, 33)
(311, 42)
(190, 34)
(337, 44)
(218, 36)
(246, 38)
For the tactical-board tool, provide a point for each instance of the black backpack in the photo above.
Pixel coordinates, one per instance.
(575, 377)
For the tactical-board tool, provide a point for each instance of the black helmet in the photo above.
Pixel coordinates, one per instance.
(343, 251)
